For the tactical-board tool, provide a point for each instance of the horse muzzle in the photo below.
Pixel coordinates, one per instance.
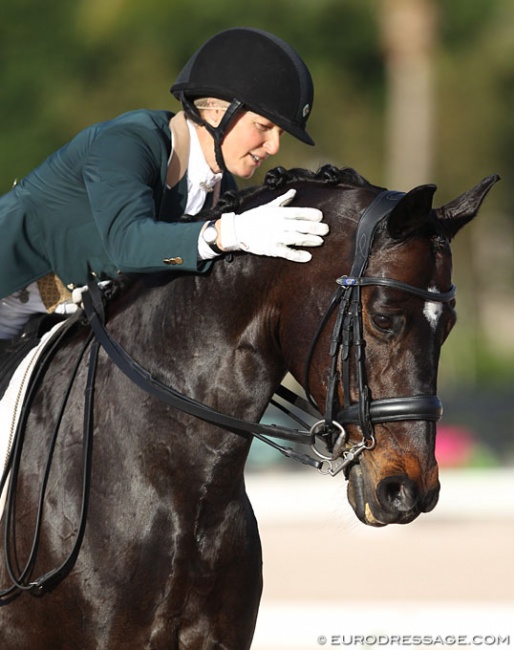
(396, 498)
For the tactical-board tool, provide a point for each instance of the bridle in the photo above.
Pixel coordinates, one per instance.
(347, 334)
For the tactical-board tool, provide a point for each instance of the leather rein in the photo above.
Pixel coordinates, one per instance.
(347, 334)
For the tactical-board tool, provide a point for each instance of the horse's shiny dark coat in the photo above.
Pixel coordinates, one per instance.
(171, 557)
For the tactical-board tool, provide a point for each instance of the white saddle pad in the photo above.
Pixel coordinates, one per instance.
(12, 402)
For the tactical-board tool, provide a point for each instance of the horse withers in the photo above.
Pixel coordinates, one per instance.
(170, 555)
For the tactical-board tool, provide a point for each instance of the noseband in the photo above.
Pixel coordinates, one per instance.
(348, 333)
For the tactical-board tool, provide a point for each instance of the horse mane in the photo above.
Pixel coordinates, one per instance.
(275, 179)
(279, 177)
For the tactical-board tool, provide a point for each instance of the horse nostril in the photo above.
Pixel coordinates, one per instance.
(397, 493)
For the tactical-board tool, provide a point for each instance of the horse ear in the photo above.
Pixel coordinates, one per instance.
(411, 212)
(464, 208)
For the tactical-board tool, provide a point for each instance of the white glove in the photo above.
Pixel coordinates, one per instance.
(272, 228)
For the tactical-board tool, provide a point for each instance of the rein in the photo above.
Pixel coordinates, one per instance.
(21, 578)
(142, 378)
(347, 334)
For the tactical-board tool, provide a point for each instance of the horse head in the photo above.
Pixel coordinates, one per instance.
(406, 311)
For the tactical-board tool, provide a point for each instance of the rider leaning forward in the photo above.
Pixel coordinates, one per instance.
(109, 201)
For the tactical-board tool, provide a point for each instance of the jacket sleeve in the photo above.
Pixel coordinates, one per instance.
(122, 168)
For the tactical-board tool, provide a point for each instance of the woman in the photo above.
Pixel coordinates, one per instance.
(109, 201)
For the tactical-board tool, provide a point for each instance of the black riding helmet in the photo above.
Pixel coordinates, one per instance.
(253, 70)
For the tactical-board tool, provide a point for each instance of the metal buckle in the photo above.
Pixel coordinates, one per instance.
(333, 466)
(320, 429)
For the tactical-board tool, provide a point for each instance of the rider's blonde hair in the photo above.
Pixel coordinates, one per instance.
(210, 103)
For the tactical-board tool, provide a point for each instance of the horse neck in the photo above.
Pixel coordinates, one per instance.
(229, 336)
(210, 336)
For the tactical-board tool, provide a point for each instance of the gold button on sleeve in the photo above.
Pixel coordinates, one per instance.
(173, 261)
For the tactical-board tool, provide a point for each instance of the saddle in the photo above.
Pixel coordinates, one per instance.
(12, 352)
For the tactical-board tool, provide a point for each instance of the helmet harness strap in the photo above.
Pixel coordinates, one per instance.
(217, 132)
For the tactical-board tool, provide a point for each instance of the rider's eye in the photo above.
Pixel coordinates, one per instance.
(383, 322)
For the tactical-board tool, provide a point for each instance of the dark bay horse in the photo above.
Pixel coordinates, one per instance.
(171, 556)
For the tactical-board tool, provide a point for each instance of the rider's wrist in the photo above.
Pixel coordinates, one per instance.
(210, 236)
(227, 232)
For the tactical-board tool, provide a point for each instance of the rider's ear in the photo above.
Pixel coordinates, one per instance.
(461, 210)
(411, 212)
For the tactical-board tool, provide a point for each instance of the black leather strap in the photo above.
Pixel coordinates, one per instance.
(169, 395)
(376, 211)
(432, 296)
(21, 578)
(396, 409)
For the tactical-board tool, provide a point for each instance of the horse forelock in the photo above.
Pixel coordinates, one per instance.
(431, 230)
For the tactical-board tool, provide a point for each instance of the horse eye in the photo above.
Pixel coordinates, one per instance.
(383, 322)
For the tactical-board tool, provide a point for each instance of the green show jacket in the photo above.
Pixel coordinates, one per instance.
(93, 209)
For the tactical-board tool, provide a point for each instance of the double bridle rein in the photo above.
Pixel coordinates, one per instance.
(347, 334)
(338, 453)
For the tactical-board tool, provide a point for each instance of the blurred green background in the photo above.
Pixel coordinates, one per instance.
(407, 92)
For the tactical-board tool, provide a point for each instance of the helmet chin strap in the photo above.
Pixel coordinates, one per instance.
(217, 132)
